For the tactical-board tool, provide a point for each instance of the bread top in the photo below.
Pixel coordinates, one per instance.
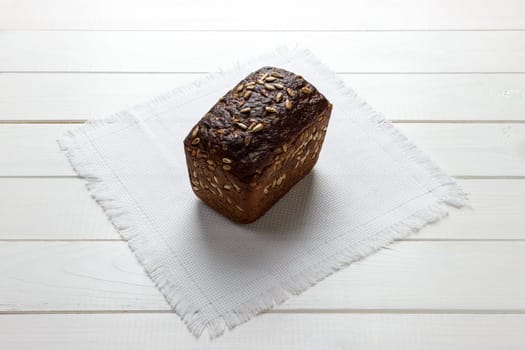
(249, 125)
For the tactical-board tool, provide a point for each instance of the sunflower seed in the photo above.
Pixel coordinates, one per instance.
(277, 75)
(246, 110)
(226, 160)
(211, 162)
(237, 188)
(227, 167)
(258, 127)
(252, 125)
(227, 187)
(264, 76)
(280, 179)
(285, 148)
(260, 82)
(271, 109)
(195, 141)
(307, 90)
(279, 97)
(269, 86)
(195, 131)
(250, 87)
(290, 92)
(288, 104)
(242, 126)
(264, 92)
(247, 94)
(270, 79)
(279, 86)
(251, 83)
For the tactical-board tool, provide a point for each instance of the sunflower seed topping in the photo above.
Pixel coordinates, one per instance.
(280, 179)
(279, 86)
(290, 92)
(306, 89)
(195, 131)
(242, 126)
(271, 110)
(258, 127)
(195, 141)
(279, 97)
(277, 75)
(246, 110)
(288, 104)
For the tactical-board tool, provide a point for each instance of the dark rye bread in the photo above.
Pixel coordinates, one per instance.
(250, 148)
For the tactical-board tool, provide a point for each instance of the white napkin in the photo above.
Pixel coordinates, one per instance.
(369, 187)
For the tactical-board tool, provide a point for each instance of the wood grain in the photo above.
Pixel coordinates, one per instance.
(80, 96)
(81, 276)
(61, 209)
(460, 149)
(239, 15)
(357, 52)
(268, 331)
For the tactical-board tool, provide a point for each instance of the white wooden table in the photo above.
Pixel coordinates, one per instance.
(450, 73)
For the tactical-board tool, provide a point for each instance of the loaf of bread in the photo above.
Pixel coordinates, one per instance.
(256, 143)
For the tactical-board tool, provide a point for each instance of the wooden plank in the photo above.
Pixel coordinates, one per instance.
(68, 96)
(268, 331)
(61, 208)
(359, 52)
(60, 276)
(291, 15)
(460, 149)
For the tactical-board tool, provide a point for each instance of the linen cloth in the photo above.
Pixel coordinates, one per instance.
(369, 187)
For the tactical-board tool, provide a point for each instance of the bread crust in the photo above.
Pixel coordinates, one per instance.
(256, 143)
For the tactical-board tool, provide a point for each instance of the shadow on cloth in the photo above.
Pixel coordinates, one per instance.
(275, 235)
